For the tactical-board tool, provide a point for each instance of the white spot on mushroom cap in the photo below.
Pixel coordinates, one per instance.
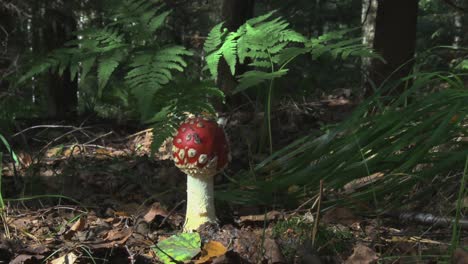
(181, 154)
(196, 139)
(191, 153)
(188, 137)
(202, 158)
(200, 124)
(179, 140)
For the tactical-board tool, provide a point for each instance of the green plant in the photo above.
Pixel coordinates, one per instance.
(127, 52)
(402, 145)
(456, 228)
(269, 45)
(2, 203)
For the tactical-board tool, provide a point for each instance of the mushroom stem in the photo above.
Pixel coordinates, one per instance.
(200, 202)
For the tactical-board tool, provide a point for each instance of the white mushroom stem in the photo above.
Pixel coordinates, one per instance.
(200, 202)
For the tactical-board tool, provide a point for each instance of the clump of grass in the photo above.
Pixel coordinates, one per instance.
(2, 203)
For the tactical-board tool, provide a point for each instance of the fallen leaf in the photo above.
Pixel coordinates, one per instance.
(79, 224)
(154, 211)
(53, 152)
(20, 259)
(362, 255)
(69, 258)
(460, 256)
(211, 250)
(180, 247)
(272, 251)
(118, 234)
(340, 215)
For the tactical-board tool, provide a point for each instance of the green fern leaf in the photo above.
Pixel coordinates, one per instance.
(212, 43)
(261, 18)
(158, 21)
(86, 66)
(252, 78)
(214, 39)
(107, 65)
(229, 51)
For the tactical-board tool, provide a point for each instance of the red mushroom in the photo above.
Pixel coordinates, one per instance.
(200, 149)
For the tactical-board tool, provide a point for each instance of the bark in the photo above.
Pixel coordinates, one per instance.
(368, 15)
(394, 40)
(62, 89)
(234, 13)
(6, 28)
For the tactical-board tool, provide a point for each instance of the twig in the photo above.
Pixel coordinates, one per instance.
(46, 126)
(60, 137)
(131, 256)
(98, 137)
(170, 213)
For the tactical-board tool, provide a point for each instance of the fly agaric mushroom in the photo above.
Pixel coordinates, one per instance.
(200, 149)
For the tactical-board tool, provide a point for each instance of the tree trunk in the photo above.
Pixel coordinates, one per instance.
(368, 15)
(234, 13)
(394, 40)
(62, 88)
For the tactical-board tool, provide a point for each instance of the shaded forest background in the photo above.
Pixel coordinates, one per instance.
(397, 30)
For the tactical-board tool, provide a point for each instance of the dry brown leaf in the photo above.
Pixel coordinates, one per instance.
(79, 224)
(340, 215)
(154, 211)
(113, 237)
(103, 153)
(272, 251)
(353, 185)
(122, 214)
(54, 152)
(362, 255)
(211, 250)
(25, 159)
(120, 235)
(69, 258)
(74, 151)
(23, 258)
(460, 256)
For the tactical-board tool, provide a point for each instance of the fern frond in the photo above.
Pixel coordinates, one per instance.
(252, 78)
(212, 44)
(158, 21)
(107, 65)
(228, 50)
(149, 73)
(261, 18)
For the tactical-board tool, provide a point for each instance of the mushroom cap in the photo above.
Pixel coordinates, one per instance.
(200, 147)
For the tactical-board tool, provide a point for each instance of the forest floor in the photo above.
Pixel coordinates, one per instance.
(87, 193)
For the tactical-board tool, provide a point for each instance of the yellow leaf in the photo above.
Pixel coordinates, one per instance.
(69, 258)
(211, 250)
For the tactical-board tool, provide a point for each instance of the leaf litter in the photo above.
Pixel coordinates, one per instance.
(131, 203)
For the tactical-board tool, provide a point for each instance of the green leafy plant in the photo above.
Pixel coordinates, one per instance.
(268, 45)
(128, 53)
(2, 203)
(178, 248)
(456, 228)
(398, 147)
